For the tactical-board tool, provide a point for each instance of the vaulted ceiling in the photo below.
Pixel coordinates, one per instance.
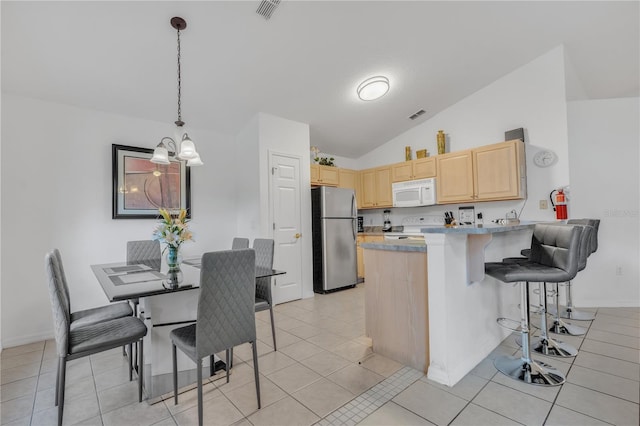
(306, 61)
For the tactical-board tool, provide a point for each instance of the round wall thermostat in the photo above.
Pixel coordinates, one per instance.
(544, 158)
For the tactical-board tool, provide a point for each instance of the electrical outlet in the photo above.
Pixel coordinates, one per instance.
(543, 205)
(619, 271)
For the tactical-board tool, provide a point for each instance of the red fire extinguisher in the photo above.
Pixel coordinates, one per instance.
(560, 204)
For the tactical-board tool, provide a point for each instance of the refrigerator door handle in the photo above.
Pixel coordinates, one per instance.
(353, 228)
(354, 212)
(354, 206)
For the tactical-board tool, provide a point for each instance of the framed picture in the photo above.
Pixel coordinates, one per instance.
(141, 187)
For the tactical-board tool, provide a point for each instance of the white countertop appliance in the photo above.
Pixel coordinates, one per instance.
(414, 193)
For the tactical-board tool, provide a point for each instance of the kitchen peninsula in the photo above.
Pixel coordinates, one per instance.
(429, 305)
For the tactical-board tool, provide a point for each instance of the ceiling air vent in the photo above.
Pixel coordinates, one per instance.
(417, 114)
(267, 7)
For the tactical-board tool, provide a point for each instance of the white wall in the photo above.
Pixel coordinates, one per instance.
(279, 135)
(532, 97)
(248, 190)
(56, 192)
(603, 147)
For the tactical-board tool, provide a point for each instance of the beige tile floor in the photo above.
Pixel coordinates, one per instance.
(324, 362)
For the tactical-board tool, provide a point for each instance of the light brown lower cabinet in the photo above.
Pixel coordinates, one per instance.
(396, 306)
(359, 254)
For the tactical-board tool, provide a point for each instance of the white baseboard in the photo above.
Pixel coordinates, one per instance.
(24, 340)
(603, 303)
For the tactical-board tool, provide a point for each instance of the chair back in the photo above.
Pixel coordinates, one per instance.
(62, 281)
(59, 306)
(226, 315)
(557, 246)
(585, 245)
(595, 224)
(143, 250)
(264, 259)
(239, 243)
(264, 252)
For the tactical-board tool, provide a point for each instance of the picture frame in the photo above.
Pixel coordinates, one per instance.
(141, 187)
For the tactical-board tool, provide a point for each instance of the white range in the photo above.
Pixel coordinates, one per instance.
(412, 225)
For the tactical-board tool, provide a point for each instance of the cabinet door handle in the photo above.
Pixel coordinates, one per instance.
(298, 235)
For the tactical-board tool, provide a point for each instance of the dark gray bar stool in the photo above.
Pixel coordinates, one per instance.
(545, 344)
(568, 311)
(554, 258)
(559, 326)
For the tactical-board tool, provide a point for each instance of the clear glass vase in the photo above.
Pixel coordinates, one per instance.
(174, 274)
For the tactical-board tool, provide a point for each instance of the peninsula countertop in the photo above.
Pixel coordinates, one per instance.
(489, 228)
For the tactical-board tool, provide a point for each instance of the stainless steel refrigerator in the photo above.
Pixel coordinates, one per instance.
(333, 212)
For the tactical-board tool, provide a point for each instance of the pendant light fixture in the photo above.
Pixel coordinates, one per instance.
(184, 148)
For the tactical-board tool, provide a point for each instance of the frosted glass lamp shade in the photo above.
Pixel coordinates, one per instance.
(196, 161)
(187, 148)
(373, 88)
(160, 155)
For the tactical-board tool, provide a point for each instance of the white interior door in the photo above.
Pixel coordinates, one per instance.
(285, 214)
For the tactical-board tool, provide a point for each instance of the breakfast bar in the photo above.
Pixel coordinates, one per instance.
(460, 304)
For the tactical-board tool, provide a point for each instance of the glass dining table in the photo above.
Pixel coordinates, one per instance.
(162, 308)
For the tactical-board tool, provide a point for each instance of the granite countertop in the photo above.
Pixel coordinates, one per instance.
(489, 228)
(397, 245)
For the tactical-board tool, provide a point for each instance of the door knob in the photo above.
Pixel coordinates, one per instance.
(298, 235)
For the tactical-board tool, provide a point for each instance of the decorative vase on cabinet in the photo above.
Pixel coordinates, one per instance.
(441, 138)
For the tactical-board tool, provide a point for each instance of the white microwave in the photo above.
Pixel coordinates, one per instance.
(414, 193)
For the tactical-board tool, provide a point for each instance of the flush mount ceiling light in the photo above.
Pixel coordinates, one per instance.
(373, 88)
(184, 148)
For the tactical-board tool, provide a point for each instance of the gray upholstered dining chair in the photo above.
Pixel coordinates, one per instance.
(147, 252)
(143, 250)
(239, 243)
(264, 300)
(225, 315)
(93, 315)
(87, 339)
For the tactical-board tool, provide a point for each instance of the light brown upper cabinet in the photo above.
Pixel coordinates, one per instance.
(324, 175)
(376, 187)
(489, 173)
(500, 171)
(347, 178)
(455, 177)
(415, 169)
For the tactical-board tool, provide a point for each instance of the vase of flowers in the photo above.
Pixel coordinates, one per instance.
(173, 231)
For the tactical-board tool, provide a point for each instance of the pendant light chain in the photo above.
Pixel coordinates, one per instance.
(182, 148)
(179, 123)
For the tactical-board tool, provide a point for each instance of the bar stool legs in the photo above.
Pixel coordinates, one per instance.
(524, 368)
(545, 344)
(561, 327)
(570, 313)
